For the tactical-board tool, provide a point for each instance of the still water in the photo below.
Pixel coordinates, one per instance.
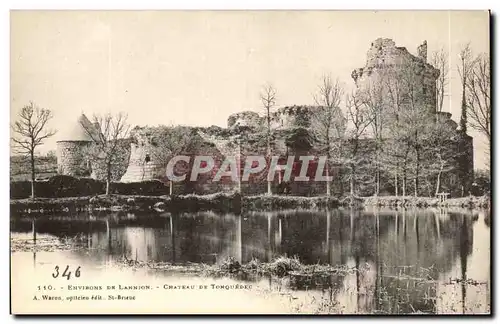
(402, 261)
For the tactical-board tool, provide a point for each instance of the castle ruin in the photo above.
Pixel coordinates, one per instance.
(74, 145)
(385, 63)
(71, 148)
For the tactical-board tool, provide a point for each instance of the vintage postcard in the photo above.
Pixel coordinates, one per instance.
(250, 162)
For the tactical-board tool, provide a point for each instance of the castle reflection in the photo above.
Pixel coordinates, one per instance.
(400, 260)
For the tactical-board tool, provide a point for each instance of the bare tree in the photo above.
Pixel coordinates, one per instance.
(395, 151)
(441, 152)
(30, 132)
(439, 60)
(268, 99)
(373, 98)
(360, 120)
(407, 116)
(478, 96)
(328, 122)
(107, 132)
(397, 155)
(170, 141)
(465, 67)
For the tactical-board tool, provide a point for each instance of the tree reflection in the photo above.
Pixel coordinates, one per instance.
(398, 255)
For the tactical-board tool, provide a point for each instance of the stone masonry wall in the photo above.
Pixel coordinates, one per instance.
(385, 60)
(71, 158)
(282, 118)
(118, 165)
(141, 164)
(141, 167)
(244, 118)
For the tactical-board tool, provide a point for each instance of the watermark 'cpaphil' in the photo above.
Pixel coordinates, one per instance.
(242, 168)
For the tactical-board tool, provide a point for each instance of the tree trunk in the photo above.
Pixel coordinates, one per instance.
(417, 171)
(107, 186)
(396, 184)
(377, 171)
(269, 189)
(352, 179)
(268, 139)
(438, 180)
(340, 177)
(32, 161)
(108, 178)
(327, 180)
(171, 188)
(404, 183)
(417, 168)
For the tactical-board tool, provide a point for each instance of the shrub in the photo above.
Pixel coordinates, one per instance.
(144, 188)
(66, 186)
(288, 202)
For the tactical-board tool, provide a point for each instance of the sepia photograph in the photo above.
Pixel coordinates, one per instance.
(250, 162)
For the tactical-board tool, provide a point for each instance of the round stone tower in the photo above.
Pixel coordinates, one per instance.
(71, 146)
(385, 60)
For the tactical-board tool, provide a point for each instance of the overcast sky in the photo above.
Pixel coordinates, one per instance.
(196, 68)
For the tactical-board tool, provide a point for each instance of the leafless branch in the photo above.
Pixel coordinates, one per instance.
(29, 132)
(478, 95)
(439, 60)
(30, 129)
(329, 123)
(107, 131)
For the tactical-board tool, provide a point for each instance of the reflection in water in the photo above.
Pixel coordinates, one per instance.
(400, 261)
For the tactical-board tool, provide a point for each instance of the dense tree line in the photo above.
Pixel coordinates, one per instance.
(388, 139)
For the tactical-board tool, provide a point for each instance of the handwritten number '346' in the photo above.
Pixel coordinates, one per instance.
(66, 273)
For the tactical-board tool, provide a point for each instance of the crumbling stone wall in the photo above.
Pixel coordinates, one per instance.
(71, 158)
(282, 118)
(386, 60)
(141, 164)
(292, 116)
(119, 163)
(244, 118)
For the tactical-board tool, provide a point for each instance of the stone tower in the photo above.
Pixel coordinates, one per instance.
(385, 60)
(390, 69)
(71, 148)
(141, 164)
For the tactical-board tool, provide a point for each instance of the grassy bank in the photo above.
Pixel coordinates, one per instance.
(227, 202)
(410, 201)
(222, 202)
(264, 202)
(189, 203)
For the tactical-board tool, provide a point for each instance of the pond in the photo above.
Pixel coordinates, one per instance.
(395, 261)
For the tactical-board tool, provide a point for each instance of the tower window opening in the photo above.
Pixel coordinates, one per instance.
(147, 159)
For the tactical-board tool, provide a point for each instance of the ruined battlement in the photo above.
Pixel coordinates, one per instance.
(385, 60)
(244, 118)
(281, 118)
(384, 54)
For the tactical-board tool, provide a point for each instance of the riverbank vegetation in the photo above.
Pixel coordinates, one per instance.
(280, 267)
(221, 202)
(324, 283)
(227, 202)
(410, 201)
